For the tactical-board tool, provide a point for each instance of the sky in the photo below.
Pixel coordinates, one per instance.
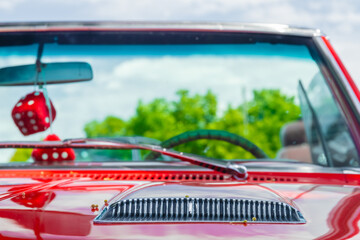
(338, 19)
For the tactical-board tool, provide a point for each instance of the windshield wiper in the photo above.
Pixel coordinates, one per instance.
(237, 171)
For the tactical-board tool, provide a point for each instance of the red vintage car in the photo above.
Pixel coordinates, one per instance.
(115, 130)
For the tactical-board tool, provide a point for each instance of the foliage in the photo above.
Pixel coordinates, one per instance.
(21, 155)
(161, 119)
(110, 127)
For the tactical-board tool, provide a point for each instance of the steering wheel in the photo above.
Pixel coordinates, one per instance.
(213, 135)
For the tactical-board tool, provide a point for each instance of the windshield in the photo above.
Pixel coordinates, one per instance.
(144, 90)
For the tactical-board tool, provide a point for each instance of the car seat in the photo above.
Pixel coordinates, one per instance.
(293, 140)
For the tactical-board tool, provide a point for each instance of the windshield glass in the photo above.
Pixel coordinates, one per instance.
(149, 92)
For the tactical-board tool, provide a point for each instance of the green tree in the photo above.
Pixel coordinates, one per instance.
(267, 112)
(110, 127)
(21, 155)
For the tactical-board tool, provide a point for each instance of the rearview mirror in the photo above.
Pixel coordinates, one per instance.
(51, 73)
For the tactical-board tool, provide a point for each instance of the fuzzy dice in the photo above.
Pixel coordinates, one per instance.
(31, 114)
(53, 154)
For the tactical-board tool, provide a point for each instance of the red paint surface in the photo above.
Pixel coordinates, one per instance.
(183, 175)
(344, 218)
(297, 177)
(122, 175)
(54, 208)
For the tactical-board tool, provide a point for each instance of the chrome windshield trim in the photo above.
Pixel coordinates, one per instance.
(158, 26)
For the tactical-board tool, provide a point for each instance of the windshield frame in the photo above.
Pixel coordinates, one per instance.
(333, 78)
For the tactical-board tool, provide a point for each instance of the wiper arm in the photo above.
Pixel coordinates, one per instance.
(237, 171)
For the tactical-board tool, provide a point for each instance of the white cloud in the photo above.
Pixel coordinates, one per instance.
(339, 19)
(6, 5)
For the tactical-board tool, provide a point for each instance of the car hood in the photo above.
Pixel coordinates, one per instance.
(65, 209)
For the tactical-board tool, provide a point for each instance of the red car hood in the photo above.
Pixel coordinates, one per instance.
(64, 209)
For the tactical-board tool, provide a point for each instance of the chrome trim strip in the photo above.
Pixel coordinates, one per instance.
(155, 26)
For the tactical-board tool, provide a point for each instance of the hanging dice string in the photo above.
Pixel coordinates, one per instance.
(38, 64)
(48, 104)
(42, 86)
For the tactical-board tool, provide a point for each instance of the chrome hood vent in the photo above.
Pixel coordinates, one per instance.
(141, 210)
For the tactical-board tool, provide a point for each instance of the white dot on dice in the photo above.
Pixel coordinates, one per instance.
(30, 114)
(55, 155)
(64, 155)
(18, 116)
(44, 156)
(31, 102)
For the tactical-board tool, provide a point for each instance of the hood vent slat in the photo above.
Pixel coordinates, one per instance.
(198, 210)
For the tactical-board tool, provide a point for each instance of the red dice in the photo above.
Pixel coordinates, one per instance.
(53, 154)
(31, 114)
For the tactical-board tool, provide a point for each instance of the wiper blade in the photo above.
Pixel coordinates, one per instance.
(237, 171)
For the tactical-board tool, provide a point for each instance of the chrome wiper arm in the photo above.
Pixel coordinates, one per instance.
(237, 171)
